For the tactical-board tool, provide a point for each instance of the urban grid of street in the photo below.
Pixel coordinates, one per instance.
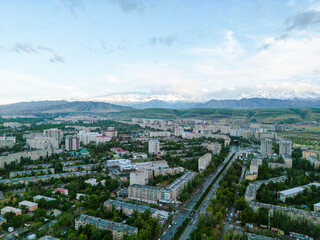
(186, 211)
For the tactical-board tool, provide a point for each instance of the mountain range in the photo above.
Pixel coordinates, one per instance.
(232, 103)
(56, 107)
(52, 107)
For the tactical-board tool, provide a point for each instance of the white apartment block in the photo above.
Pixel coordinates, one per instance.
(53, 133)
(140, 177)
(215, 148)
(160, 134)
(7, 141)
(285, 147)
(178, 131)
(154, 146)
(204, 161)
(266, 147)
(42, 143)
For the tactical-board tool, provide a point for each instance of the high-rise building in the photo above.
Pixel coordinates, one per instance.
(285, 147)
(53, 133)
(266, 147)
(154, 146)
(72, 143)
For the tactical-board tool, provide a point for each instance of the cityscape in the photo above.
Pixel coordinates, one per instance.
(160, 120)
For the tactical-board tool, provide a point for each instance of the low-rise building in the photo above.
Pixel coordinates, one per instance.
(7, 209)
(151, 165)
(47, 237)
(39, 197)
(30, 205)
(119, 151)
(253, 187)
(122, 164)
(62, 191)
(292, 192)
(118, 230)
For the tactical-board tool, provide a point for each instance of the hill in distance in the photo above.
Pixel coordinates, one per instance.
(52, 107)
(267, 115)
(245, 103)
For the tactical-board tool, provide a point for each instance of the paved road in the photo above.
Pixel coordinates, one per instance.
(202, 209)
(185, 212)
(230, 216)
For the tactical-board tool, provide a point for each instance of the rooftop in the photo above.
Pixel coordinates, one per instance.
(27, 203)
(139, 208)
(107, 224)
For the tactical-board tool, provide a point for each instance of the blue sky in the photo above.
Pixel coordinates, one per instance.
(175, 49)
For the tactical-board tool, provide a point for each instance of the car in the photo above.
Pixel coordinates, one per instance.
(164, 233)
(169, 226)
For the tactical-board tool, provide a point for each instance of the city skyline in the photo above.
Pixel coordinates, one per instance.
(175, 50)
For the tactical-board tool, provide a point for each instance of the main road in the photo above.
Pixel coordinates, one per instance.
(185, 211)
(202, 209)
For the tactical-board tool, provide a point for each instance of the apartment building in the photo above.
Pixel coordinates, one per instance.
(285, 147)
(40, 142)
(7, 141)
(75, 168)
(177, 186)
(154, 146)
(266, 147)
(44, 178)
(118, 230)
(204, 161)
(151, 165)
(55, 133)
(109, 132)
(72, 143)
(160, 134)
(142, 176)
(144, 193)
(30, 172)
(292, 192)
(129, 208)
(178, 131)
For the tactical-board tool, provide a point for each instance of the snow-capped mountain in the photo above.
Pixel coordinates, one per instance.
(249, 98)
(133, 99)
(284, 95)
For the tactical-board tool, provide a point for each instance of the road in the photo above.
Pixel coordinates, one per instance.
(230, 216)
(185, 211)
(202, 209)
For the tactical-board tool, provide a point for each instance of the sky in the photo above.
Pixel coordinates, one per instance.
(117, 50)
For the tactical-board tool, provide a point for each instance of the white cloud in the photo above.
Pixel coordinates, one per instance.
(285, 60)
(25, 87)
